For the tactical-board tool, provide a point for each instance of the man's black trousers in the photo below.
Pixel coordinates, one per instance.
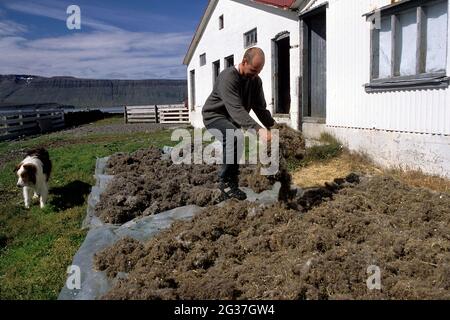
(230, 171)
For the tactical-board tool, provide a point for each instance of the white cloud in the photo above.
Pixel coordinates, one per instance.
(98, 14)
(99, 55)
(11, 28)
(107, 52)
(55, 10)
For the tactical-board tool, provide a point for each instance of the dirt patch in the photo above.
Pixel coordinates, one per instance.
(292, 143)
(144, 184)
(292, 148)
(127, 252)
(420, 179)
(249, 251)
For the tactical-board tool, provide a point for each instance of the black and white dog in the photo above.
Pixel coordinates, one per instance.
(34, 173)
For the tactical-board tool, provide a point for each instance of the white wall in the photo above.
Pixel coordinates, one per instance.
(408, 129)
(408, 151)
(242, 16)
(348, 69)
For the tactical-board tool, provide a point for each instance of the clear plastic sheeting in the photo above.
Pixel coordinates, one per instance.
(267, 197)
(94, 197)
(94, 284)
(144, 228)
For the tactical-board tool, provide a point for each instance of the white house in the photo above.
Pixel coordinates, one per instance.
(227, 28)
(374, 73)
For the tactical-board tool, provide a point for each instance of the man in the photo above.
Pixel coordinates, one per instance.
(237, 90)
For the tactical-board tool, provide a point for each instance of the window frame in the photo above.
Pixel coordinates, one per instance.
(215, 70)
(248, 33)
(221, 22)
(421, 79)
(202, 59)
(226, 59)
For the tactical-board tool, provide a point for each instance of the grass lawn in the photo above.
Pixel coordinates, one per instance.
(37, 246)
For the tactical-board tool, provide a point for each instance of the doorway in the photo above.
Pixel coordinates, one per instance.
(281, 73)
(314, 65)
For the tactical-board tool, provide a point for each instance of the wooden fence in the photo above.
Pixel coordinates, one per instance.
(29, 120)
(139, 114)
(157, 114)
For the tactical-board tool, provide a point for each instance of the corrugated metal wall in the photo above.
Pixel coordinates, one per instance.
(348, 69)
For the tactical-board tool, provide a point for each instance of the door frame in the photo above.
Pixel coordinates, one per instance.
(304, 66)
(280, 36)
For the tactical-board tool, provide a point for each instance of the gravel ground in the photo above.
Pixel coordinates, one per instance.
(119, 127)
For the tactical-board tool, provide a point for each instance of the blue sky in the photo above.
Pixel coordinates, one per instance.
(134, 39)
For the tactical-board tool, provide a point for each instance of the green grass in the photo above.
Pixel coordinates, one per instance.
(37, 246)
(114, 119)
(329, 148)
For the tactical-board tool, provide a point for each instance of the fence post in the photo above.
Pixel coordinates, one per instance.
(125, 114)
(156, 114)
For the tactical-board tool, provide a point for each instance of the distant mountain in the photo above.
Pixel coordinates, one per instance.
(70, 91)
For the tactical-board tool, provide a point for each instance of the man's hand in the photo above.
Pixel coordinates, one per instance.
(265, 135)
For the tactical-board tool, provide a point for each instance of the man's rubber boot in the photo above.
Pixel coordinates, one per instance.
(230, 190)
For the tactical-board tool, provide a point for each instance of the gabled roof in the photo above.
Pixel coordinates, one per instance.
(283, 4)
(278, 3)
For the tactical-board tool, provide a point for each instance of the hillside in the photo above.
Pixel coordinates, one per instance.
(26, 89)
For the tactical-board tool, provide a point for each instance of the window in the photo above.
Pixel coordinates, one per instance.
(202, 59)
(250, 38)
(229, 61)
(216, 70)
(409, 49)
(221, 22)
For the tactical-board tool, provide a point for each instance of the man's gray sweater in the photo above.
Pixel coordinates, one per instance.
(233, 97)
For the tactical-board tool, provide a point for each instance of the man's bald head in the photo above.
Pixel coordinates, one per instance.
(253, 53)
(253, 62)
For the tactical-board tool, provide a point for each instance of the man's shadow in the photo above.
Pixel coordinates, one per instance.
(71, 195)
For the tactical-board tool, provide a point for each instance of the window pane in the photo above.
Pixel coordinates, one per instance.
(385, 48)
(406, 42)
(436, 37)
(203, 59)
(250, 38)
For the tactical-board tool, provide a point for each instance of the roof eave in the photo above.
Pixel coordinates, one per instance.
(204, 21)
(199, 32)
